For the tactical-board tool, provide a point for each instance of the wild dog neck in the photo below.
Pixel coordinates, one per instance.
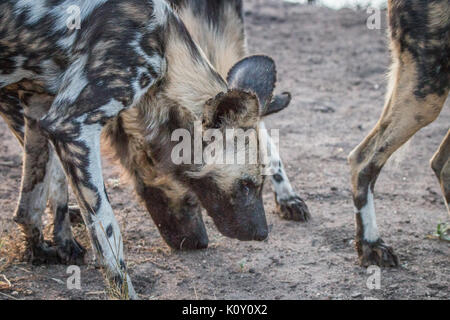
(190, 79)
(218, 28)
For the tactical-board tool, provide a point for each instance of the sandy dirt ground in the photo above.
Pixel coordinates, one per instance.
(336, 69)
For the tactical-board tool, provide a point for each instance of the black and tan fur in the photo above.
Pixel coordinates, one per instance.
(217, 27)
(63, 86)
(419, 86)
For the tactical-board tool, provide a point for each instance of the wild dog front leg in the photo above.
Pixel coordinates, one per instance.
(404, 114)
(441, 166)
(78, 146)
(289, 204)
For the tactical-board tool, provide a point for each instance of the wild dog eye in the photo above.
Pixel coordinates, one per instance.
(247, 185)
(245, 189)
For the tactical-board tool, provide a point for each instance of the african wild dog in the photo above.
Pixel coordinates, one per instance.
(66, 84)
(217, 27)
(419, 86)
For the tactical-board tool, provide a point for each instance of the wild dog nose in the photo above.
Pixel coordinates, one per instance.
(261, 235)
(202, 245)
(202, 242)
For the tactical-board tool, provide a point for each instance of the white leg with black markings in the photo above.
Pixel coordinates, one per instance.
(82, 163)
(289, 204)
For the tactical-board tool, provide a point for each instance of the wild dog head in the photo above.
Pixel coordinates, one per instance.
(235, 201)
(192, 93)
(230, 191)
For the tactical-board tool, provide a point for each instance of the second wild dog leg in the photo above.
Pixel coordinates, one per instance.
(78, 148)
(12, 109)
(38, 176)
(34, 190)
(441, 166)
(419, 85)
(404, 114)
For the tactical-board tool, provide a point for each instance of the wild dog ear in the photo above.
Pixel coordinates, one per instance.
(279, 102)
(255, 74)
(234, 108)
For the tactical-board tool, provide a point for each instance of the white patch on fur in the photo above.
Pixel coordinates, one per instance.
(52, 75)
(160, 11)
(67, 42)
(77, 80)
(36, 9)
(283, 189)
(157, 62)
(369, 219)
(112, 108)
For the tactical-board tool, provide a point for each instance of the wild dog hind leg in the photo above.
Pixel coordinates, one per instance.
(35, 177)
(34, 189)
(44, 162)
(407, 110)
(12, 109)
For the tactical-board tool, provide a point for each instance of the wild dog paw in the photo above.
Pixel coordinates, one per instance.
(292, 208)
(377, 253)
(70, 252)
(43, 253)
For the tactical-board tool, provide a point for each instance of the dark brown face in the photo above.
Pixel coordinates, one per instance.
(231, 192)
(237, 213)
(179, 220)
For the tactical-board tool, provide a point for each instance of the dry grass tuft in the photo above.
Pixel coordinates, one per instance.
(12, 248)
(11, 253)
